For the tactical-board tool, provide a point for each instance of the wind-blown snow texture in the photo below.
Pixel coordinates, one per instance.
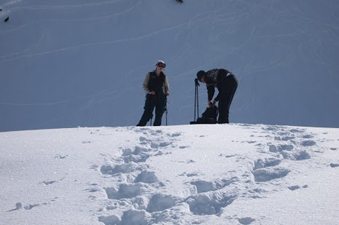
(204, 174)
(71, 63)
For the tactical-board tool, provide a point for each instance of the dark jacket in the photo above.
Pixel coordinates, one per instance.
(158, 84)
(216, 78)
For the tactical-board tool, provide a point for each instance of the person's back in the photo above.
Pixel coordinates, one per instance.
(226, 83)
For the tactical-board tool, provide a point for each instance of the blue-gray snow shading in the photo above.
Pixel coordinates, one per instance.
(109, 220)
(210, 203)
(160, 202)
(124, 191)
(246, 220)
(333, 165)
(271, 173)
(278, 51)
(146, 177)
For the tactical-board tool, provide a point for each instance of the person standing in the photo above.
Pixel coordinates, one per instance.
(157, 90)
(226, 83)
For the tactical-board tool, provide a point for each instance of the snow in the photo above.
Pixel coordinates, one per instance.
(198, 174)
(70, 63)
(79, 64)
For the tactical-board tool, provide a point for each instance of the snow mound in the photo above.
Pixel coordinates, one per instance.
(201, 174)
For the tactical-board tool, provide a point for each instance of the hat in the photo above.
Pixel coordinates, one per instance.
(200, 74)
(161, 63)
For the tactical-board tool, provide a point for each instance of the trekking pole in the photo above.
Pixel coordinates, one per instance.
(195, 102)
(150, 121)
(196, 99)
(166, 114)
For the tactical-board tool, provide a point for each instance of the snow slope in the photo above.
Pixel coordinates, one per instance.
(202, 174)
(70, 63)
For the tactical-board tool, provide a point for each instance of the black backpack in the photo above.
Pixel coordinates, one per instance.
(208, 117)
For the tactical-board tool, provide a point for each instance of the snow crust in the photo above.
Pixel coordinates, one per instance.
(199, 174)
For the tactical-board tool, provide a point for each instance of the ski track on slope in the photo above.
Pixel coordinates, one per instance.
(82, 5)
(138, 192)
(94, 18)
(90, 44)
(195, 20)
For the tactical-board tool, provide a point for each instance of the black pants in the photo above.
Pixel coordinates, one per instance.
(227, 90)
(153, 101)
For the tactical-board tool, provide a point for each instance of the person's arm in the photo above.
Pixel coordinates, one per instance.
(216, 98)
(210, 92)
(166, 86)
(145, 84)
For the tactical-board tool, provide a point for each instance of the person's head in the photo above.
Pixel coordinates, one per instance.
(201, 75)
(160, 65)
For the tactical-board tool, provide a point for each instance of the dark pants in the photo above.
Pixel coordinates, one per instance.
(227, 90)
(153, 101)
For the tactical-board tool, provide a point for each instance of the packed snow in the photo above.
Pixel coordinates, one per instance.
(81, 63)
(199, 174)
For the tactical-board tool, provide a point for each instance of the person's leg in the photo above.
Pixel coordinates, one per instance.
(148, 110)
(159, 110)
(226, 99)
(223, 111)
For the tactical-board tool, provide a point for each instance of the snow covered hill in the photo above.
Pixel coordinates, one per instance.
(203, 174)
(70, 63)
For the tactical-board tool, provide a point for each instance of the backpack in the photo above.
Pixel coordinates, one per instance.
(208, 117)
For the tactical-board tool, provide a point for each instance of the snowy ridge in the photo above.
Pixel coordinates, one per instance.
(203, 174)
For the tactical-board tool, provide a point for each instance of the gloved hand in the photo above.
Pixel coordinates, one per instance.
(211, 103)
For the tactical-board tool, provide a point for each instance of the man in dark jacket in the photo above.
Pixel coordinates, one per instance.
(226, 83)
(157, 90)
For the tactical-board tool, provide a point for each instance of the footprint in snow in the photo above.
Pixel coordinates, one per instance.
(269, 173)
(288, 152)
(161, 202)
(49, 182)
(209, 203)
(109, 220)
(189, 174)
(134, 217)
(206, 186)
(296, 187)
(184, 146)
(280, 148)
(138, 155)
(297, 155)
(146, 177)
(123, 168)
(124, 191)
(297, 130)
(176, 134)
(58, 156)
(268, 162)
(308, 143)
(246, 220)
